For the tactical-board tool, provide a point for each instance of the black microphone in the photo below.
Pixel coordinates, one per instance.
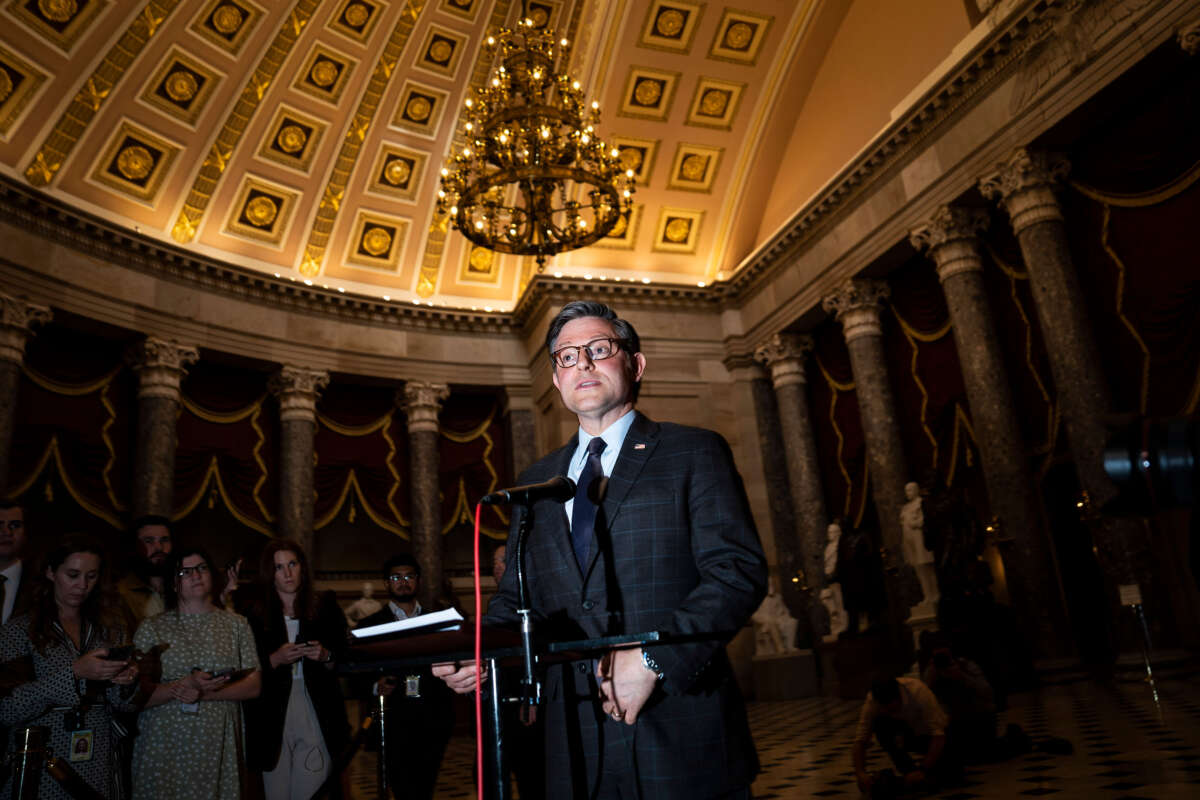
(559, 488)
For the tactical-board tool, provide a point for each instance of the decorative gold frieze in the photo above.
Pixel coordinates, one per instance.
(466, 9)
(715, 103)
(670, 25)
(678, 230)
(357, 19)
(479, 265)
(441, 51)
(135, 162)
(398, 172)
(82, 109)
(364, 115)
(292, 139)
(227, 23)
(19, 81)
(324, 74)
(637, 155)
(181, 86)
(648, 93)
(694, 168)
(420, 108)
(261, 211)
(623, 236)
(377, 241)
(739, 37)
(243, 111)
(61, 22)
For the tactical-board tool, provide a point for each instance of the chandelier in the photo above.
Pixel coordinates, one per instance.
(532, 177)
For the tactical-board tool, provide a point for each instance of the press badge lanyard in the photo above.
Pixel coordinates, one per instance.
(75, 717)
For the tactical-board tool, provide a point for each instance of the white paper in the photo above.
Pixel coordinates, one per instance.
(438, 620)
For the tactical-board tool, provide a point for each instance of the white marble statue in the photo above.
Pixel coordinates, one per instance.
(831, 595)
(364, 606)
(912, 523)
(774, 626)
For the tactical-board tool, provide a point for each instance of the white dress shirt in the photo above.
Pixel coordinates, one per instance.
(614, 438)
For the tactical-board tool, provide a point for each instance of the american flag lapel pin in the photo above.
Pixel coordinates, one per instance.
(640, 446)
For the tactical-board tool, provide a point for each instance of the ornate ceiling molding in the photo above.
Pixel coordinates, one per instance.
(990, 62)
(239, 120)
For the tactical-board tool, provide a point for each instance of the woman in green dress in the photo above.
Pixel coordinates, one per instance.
(190, 743)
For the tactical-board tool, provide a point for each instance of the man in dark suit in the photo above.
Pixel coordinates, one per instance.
(658, 537)
(420, 709)
(16, 582)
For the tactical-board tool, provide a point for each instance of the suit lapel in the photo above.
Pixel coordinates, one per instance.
(639, 444)
(560, 528)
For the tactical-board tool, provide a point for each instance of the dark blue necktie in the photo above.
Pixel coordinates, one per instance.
(583, 514)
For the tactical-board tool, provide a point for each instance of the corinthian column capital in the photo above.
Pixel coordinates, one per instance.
(784, 354)
(160, 366)
(298, 389)
(1025, 183)
(17, 319)
(1189, 37)
(950, 237)
(421, 402)
(856, 304)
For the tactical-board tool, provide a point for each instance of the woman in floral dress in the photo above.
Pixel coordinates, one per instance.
(67, 684)
(191, 744)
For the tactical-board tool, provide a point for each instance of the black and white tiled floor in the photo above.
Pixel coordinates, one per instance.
(1127, 747)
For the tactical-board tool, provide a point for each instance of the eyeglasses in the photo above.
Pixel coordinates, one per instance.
(15, 525)
(405, 578)
(596, 350)
(199, 569)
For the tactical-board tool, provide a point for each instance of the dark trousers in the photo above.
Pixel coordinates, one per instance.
(415, 746)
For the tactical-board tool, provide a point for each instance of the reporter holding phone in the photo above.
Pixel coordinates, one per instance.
(297, 726)
(55, 666)
(190, 743)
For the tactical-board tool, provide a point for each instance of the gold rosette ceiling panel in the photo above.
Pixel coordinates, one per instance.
(532, 176)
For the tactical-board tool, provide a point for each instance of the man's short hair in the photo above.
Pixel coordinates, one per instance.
(885, 691)
(148, 520)
(9, 505)
(578, 309)
(400, 560)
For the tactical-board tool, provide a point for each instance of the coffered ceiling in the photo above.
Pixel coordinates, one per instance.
(304, 138)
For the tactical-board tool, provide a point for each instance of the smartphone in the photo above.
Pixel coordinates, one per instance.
(223, 673)
(122, 653)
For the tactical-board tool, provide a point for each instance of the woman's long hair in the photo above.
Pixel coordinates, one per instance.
(171, 577)
(101, 609)
(270, 607)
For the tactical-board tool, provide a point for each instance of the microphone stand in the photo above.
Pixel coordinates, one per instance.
(530, 688)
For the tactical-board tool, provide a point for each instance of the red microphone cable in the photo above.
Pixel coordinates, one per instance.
(478, 664)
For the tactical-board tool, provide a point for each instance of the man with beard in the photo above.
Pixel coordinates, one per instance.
(420, 710)
(142, 589)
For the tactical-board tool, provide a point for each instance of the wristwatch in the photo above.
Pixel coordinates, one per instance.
(652, 665)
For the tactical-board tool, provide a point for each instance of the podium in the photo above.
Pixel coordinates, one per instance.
(501, 649)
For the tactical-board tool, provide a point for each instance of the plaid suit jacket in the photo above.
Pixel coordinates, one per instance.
(676, 551)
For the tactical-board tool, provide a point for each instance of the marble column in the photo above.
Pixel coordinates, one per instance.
(297, 389)
(160, 366)
(950, 237)
(421, 402)
(17, 319)
(522, 433)
(1024, 184)
(784, 355)
(857, 304)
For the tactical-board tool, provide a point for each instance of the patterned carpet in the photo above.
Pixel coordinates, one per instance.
(1127, 747)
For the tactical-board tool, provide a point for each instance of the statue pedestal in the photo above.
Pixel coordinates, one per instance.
(785, 676)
